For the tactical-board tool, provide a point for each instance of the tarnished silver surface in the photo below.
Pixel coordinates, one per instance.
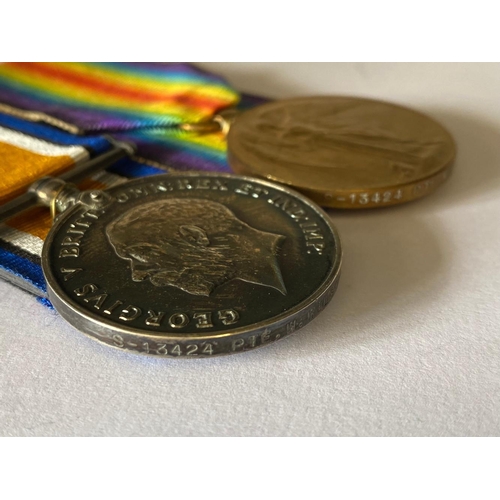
(191, 265)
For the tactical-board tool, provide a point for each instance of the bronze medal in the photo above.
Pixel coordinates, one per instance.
(343, 152)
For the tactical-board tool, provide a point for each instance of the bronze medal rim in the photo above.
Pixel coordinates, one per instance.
(407, 191)
(80, 318)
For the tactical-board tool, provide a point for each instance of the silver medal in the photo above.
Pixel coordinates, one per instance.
(192, 265)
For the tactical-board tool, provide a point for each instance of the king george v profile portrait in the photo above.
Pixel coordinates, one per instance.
(195, 245)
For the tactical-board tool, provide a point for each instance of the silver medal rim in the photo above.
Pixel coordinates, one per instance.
(80, 318)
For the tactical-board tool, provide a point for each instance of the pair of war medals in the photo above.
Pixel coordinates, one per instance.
(199, 265)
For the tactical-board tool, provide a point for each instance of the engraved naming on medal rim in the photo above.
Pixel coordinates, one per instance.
(192, 265)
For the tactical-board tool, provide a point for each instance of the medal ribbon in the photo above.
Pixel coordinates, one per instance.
(53, 115)
(141, 102)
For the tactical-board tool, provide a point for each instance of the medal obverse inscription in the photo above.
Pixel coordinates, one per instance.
(192, 265)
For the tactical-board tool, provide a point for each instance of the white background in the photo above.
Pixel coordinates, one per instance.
(410, 344)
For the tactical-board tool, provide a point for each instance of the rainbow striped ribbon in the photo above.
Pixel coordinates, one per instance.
(141, 102)
(52, 116)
